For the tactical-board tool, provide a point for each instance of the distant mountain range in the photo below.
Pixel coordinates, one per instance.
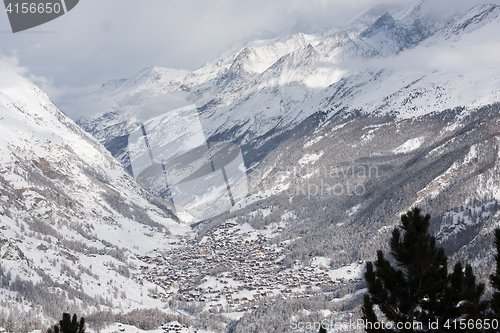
(406, 63)
(389, 63)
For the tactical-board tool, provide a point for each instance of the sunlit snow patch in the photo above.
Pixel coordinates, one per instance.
(410, 145)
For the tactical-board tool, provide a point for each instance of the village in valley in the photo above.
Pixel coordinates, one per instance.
(234, 266)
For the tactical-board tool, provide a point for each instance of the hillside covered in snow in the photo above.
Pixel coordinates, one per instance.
(72, 220)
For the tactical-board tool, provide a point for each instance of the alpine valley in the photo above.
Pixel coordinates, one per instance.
(341, 129)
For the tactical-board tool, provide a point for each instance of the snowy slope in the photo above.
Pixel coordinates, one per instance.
(70, 214)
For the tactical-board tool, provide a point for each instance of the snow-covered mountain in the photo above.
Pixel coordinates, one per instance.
(387, 61)
(342, 129)
(386, 69)
(348, 97)
(72, 220)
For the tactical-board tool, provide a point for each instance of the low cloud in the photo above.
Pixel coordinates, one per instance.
(447, 7)
(103, 40)
(160, 104)
(10, 71)
(454, 56)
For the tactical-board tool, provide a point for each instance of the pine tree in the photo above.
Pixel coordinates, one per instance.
(495, 279)
(69, 325)
(418, 289)
(448, 306)
(473, 307)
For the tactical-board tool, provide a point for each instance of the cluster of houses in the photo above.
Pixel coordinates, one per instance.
(174, 327)
(231, 269)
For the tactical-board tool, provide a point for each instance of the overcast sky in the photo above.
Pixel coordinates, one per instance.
(100, 40)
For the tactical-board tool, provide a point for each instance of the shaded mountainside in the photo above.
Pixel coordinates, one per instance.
(72, 220)
(350, 177)
(347, 180)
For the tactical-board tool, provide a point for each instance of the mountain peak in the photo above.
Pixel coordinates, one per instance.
(367, 18)
(384, 22)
